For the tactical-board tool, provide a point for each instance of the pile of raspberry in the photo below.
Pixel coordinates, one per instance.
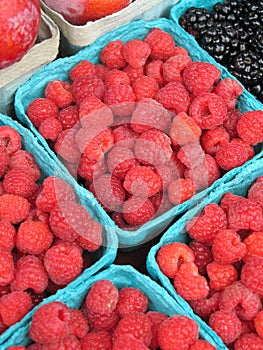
(112, 319)
(146, 128)
(46, 236)
(220, 273)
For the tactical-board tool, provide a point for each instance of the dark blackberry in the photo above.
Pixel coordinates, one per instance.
(196, 20)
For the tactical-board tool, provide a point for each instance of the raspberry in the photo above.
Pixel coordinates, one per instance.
(69, 342)
(10, 139)
(212, 140)
(145, 87)
(68, 117)
(136, 324)
(142, 181)
(112, 55)
(178, 332)
(137, 212)
(249, 341)
(171, 256)
(93, 112)
(119, 220)
(228, 199)
(19, 182)
(120, 98)
(254, 244)
(30, 273)
(241, 300)
(54, 190)
(128, 342)
(227, 247)
(17, 348)
(109, 191)
(250, 127)
(91, 239)
(208, 110)
(69, 219)
(14, 306)
(107, 322)
(101, 71)
(120, 160)
(174, 96)
(161, 44)
(229, 89)
(82, 69)
(250, 149)
(7, 235)
(37, 298)
(97, 340)
(203, 255)
(133, 73)
(40, 109)
(13, 208)
(102, 298)
(59, 92)
(124, 136)
(24, 160)
(7, 267)
(136, 52)
(205, 227)
(4, 160)
(174, 66)
(184, 130)
(258, 322)
(189, 284)
(230, 122)
(89, 170)
(156, 319)
(50, 128)
(161, 203)
(180, 190)
(244, 215)
(90, 85)
(66, 146)
(154, 69)
(191, 155)
(251, 274)
(202, 345)
(199, 77)
(131, 300)
(50, 322)
(153, 147)
(78, 324)
(226, 324)
(116, 76)
(255, 192)
(206, 306)
(63, 263)
(221, 276)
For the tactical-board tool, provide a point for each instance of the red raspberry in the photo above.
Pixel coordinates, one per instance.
(14, 306)
(68, 117)
(171, 256)
(205, 227)
(226, 324)
(221, 276)
(50, 128)
(203, 255)
(102, 298)
(228, 199)
(212, 140)
(180, 190)
(142, 181)
(97, 340)
(119, 220)
(89, 170)
(120, 160)
(136, 324)
(112, 55)
(58, 92)
(255, 192)
(19, 182)
(178, 332)
(30, 273)
(249, 341)
(250, 127)
(136, 52)
(199, 77)
(156, 319)
(40, 109)
(66, 146)
(91, 239)
(63, 263)
(258, 322)
(241, 300)
(54, 190)
(4, 160)
(120, 98)
(116, 76)
(133, 73)
(37, 298)
(131, 300)
(101, 71)
(174, 66)
(7, 235)
(82, 69)
(202, 345)
(191, 155)
(145, 87)
(166, 173)
(10, 139)
(189, 284)
(50, 322)
(251, 274)
(228, 248)
(107, 322)
(250, 149)
(13, 208)
(93, 112)
(24, 160)
(184, 130)
(78, 324)
(206, 306)
(254, 244)
(154, 69)
(90, 85)
(174, 96)
(137, 212)
(17, 348)
(6, 266)
(124, 136)
(230, 122)
(69, 342)
(161, 44)
(128, 342)
(229, 89)
(245, 214)
(208, 110)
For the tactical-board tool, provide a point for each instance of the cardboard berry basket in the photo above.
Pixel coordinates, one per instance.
(120, 276)
(60, 68)
(178, 233)
(100, 258)
(44, 51)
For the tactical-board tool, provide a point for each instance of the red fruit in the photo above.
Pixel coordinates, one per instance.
(258, 322)
(69, 342)
(206, 306)
(145, 87)
(226, 324)
(59, 92)
(212, 140)
(82, 69)
(13, 208)
(25, 161)
(97, 340)
(254, 244)
(131, 300)
(14, 306)
(7, 235)
(184, 130)
(19, 182)
(249, 341)
(229, 89)
(203, 255)
(137, 211)
(250, 127)
(120, 160)
(50, 128)
(66, 146)
(112, 55)
(20, 22)
(230, 122)
(93, 112)
(128, 342)
(10, 139)
(120, 98)
(174, 96)
(124, 136)
(154, 69)
(68, 117)
(136, 53)
(40, 109)
(4, 160)
(221, 275)
(251, 274)
(256, 192)
(162, 44)
(156, 319)
(89, 85)
(116, 76)
(89, 170)
(91, 239)
(133, 73)
(107, 322)
(202, 345)
(174, 67)
(6, 266)
(227, 200)
(78, 324)
(180, 190)
(232, 155)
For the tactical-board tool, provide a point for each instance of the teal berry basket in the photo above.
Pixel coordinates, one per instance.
(59, 69)
(177, 232)
(101, 258)
(121, 276)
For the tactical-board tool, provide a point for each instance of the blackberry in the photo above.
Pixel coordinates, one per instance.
(196, 20)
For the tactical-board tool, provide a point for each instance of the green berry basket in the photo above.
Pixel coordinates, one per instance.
(177, 232)
(101, 258)
(59, 69)
(120, 276)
